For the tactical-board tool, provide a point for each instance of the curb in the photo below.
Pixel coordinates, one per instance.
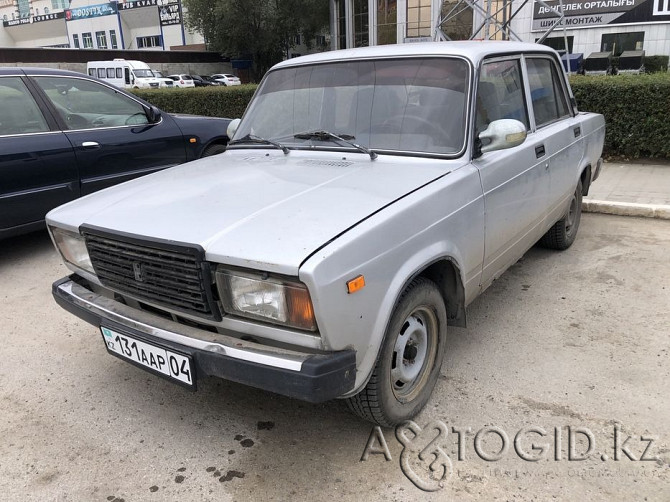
(627, 209)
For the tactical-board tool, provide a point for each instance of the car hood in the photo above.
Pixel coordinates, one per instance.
(256, 209)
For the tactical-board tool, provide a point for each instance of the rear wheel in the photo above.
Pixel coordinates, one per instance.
(563, 233)
(410, 359)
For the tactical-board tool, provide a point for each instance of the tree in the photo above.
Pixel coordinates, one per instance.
(261, 30)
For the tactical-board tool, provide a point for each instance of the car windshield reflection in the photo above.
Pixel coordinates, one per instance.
(386, 105)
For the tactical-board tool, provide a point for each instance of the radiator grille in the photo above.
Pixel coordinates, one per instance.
(176, 279)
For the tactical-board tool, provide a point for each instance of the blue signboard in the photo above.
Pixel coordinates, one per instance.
(103, 9)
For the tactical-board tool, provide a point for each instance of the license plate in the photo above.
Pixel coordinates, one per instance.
(171, 364)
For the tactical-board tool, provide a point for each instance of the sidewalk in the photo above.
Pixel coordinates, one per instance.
(631, 189)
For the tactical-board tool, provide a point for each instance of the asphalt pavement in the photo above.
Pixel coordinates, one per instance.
(559, 389)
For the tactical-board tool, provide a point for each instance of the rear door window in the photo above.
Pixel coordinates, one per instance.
(19, 113)
(549, 101)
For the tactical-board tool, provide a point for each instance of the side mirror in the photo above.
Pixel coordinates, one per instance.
(232, 128)
(502, 134)
(153, 114)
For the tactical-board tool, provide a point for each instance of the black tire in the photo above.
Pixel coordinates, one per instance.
(214, 150)
(563, 233)
(387, 399)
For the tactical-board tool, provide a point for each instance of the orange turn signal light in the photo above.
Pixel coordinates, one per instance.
(355, 284)
(192, 140)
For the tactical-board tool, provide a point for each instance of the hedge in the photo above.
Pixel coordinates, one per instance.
(636, 110)
(211, 101)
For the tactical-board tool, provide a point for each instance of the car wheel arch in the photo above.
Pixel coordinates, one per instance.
(446, 272)
(214, 143)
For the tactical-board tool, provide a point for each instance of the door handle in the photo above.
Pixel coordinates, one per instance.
(539, 151)
(577, 131)
(90, 145)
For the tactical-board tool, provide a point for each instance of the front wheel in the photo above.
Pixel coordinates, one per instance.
(214, 149)
(410, 359)
(563, 233)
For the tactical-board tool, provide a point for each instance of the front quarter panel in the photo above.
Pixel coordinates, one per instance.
(444, 219)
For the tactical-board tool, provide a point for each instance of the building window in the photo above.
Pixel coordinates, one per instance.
(75, 39)
(4, 18)
(101, 39)
(418, 18)
(558, 43)
(112, 39)
(37, 12)
(149, 42)
(60, 4)
(616, 43)
(320, 40)
(361, 26)
(341, 25)
(387, 14)
(46, 10)
(24, 8)
(297, 39)
(87, 40)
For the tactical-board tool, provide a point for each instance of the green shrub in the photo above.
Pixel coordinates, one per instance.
(212, 101)
(635, 108)
(653, 64)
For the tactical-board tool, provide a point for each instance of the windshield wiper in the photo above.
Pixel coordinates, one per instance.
(345, 138)
(250, 138)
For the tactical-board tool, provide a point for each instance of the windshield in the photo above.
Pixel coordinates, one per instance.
(158, 74)
(409, 105)
(143, 73)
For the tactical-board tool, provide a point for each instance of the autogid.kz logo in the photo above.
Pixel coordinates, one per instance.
(426, 462)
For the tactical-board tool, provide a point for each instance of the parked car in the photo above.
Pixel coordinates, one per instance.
(64, 135)
(163, 80)
(200, 81)
(182, 80)
(212, 81)
(367, 197)
(226, 79)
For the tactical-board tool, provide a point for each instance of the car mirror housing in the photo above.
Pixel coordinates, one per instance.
(232, 128)
(502, 134)
(153, 114)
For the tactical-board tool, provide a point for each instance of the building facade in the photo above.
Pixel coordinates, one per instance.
(587, 25)
(89, 24)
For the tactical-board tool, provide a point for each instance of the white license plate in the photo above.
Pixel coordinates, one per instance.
(170, 364)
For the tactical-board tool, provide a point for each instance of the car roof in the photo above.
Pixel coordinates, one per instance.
(34, 70)
(474, 50)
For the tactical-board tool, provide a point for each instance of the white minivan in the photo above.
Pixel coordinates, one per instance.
(124, 73)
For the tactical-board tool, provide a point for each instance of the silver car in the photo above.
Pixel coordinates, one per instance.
(367, 197)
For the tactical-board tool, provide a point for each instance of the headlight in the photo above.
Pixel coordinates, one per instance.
(73, 248)
(267, 299)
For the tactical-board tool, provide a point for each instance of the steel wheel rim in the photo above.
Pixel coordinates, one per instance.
(414, 351)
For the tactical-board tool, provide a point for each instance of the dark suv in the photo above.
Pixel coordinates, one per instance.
(64, 134)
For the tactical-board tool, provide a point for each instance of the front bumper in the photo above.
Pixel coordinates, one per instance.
(307, 376)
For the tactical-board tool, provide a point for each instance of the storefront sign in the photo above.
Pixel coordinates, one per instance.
(48, 17)
(137, 4)
(103, 9)
(34, 19)
(600, 12)
(170, 14)
(16, 22)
